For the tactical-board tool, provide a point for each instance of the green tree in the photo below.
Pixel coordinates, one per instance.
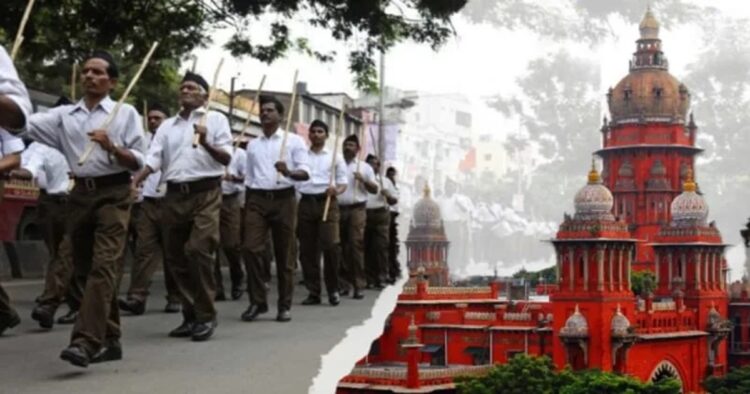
(737, 381)
(642, 282)
(62, 32)
(527, 374)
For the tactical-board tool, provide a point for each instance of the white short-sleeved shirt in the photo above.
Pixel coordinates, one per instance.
(48, 166)
(173, 153)
(377, 200)
(236, 168)
(320, 172)
(355, 191)
(12, 87)
(66, 129)
(152, 186)
(263, 153)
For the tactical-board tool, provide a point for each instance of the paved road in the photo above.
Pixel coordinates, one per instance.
(259, 357)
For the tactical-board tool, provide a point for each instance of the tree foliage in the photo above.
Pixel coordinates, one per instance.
(737, 381)
(379, 23)
(526, 374)
(535, 277)
(62, 32)
(642, 282)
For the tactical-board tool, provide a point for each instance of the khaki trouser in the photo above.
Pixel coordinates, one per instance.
(98, 222)
(376, 245)
(264, 211)
(317, 237)
(59, 285)
(394, 266)
(149, 252)
(6, 311)
(191, 239)
(352, 230)
(230, 232)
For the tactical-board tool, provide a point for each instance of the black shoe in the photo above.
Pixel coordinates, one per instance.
(358, 295)
(284, 315)
(183, 331)
(378, 286)
(301, 282)
(334, 299)
(253, 311)
(75, 355)
(344, 292)
(311, 300)
(133, 306)
(203, 331)
(172, 307)
(110, 352)
(220, 297)
(68, 318)
(391, 281)
(45, 315)
(9, 321)
(236, 293)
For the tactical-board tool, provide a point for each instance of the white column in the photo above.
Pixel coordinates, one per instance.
(571, 267)
(600, 268)
(610, 263)
(697, 259)
(620, 277)
(585, 269)
(669, 269)
(657, 267)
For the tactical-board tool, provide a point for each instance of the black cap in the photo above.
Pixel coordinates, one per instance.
(191, 76)
(352, 138)
(112, 70)
(319, 123)
(158, 107)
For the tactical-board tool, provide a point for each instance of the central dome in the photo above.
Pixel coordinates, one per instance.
(427, 212)
(649, 91)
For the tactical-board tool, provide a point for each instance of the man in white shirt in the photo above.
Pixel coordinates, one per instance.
(270, 174)
(394, 266)
(193, 200)
(376, 228)
(14, 109)
(148, 255)
(360, 183)
(232, 191)
(316, 236)
(50, 170)
(99, 204)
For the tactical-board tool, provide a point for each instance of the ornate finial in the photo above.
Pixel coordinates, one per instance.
(594, 174)
(576, 311)
(619, 311)
(426, 191)
(649, 25)
(689, 185)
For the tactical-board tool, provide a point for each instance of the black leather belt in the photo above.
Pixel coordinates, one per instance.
(57, 198)
(377, 209)
(199, 186)
(353, 206)
(314, 197)
(151, 199)
(100, 182)
(272, 194)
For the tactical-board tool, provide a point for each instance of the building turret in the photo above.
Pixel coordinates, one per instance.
(426, 244)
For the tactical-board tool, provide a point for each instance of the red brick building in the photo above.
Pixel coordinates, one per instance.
(644, 213)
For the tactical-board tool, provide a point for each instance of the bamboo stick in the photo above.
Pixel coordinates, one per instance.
(250, 113)
(21, 27)
(145, 117)
(332, 175)
(282, 151)
(111, 117)
(363, 140)
(211, 93)
(73, 82)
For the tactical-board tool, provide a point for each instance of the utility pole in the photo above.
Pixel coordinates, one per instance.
(381, 115)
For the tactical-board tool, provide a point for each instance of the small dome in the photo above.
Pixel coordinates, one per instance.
(626, 169)
(576, 325)
(689, 208)
(427, 211)
(594, 201)
(658, 169)
(620, 324)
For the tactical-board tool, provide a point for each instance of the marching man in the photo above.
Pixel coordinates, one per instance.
(193, 200)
